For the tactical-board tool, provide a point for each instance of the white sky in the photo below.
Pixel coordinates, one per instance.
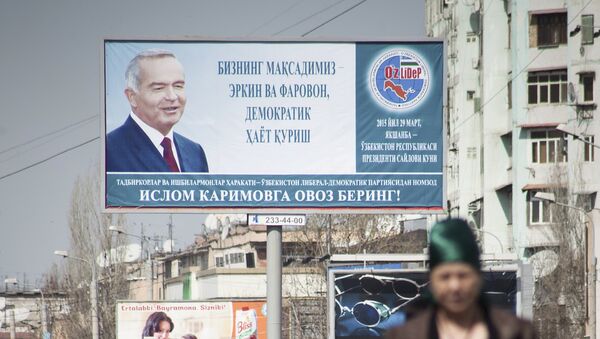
(50, 81)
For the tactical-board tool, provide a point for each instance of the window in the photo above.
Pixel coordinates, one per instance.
(509, 92)
(236, 258)
(547, 87)
(548, 29)
(548, 147)
(219, 262)
(509, 29)
(588, 150)
(586, 81)
(539, 211)
(203, 261)
(587, 29)
(470, 95)
(168, 269)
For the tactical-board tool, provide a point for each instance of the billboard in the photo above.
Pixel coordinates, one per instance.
(192, 320)
(273, 126)
(367, 302)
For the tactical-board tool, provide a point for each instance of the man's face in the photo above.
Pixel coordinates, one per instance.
(164, 330)
(455, 286)
(160, 98)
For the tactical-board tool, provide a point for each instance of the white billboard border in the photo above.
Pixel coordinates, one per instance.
(269, 210)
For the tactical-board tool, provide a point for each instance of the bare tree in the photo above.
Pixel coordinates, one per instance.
(91, 238)
(559, 298)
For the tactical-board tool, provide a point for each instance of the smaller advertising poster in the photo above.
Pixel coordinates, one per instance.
(369, 302)
(192, 320)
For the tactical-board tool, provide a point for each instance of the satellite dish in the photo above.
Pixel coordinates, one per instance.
(105, 258)
(129, 253)
(20, 314)
(132, 252)
(168, 246)
(571, 92)
(225, 230)
(215, 221)
(543, 263)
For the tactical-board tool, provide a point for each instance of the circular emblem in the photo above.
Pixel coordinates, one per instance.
(399, 79)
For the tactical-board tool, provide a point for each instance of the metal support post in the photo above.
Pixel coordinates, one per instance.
(94, 301)
(149, 278)
(13, 325)
(44, 315)
(274, 284)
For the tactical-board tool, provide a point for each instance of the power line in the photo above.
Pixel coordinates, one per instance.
(49, 134)
(335, 17)
(309, 17)
(48, 158)
(275, 17)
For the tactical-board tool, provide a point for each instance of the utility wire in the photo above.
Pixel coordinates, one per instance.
(48, 158)
(275, 17)
(517, 75)
(309, 17)
(49, 134)
(335, 17)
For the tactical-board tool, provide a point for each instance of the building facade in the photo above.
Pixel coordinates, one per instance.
(521, 119)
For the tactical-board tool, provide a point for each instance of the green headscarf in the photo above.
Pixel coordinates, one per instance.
(452, 240)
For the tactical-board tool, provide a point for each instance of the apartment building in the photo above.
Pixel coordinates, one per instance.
(521, 119)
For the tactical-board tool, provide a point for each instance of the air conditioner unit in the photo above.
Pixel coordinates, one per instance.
(449, 2)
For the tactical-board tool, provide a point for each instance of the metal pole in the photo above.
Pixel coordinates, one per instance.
(591, 273)
(94, 301)
(44, 315)
(13, 325)
(274, 245)
(149, 277)
(45, 333)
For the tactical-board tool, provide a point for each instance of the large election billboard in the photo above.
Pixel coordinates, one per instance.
(192, 319)
(273, 126)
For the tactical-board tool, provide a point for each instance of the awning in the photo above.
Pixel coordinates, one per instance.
(584, 192)
(535, 187)
(504, 187)
(540, 125)
(547, 69)
(548, 11)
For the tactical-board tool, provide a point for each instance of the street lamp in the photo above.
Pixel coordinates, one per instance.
(93, 291)
(44, 314)
(569, 130)
(149, 266)
(590, 278)
(493, 236)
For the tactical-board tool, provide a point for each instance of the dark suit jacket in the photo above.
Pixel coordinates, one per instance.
(128, 149)
(507, 326)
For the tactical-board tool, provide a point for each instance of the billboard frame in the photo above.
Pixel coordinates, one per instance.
(340, 268)
(270, 210)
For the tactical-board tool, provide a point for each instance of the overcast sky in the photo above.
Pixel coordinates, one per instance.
(50, 90)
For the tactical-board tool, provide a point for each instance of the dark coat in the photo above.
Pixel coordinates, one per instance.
(128, 149)
(507, 326)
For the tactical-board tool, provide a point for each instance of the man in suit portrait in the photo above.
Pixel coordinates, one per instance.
(146, 141)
